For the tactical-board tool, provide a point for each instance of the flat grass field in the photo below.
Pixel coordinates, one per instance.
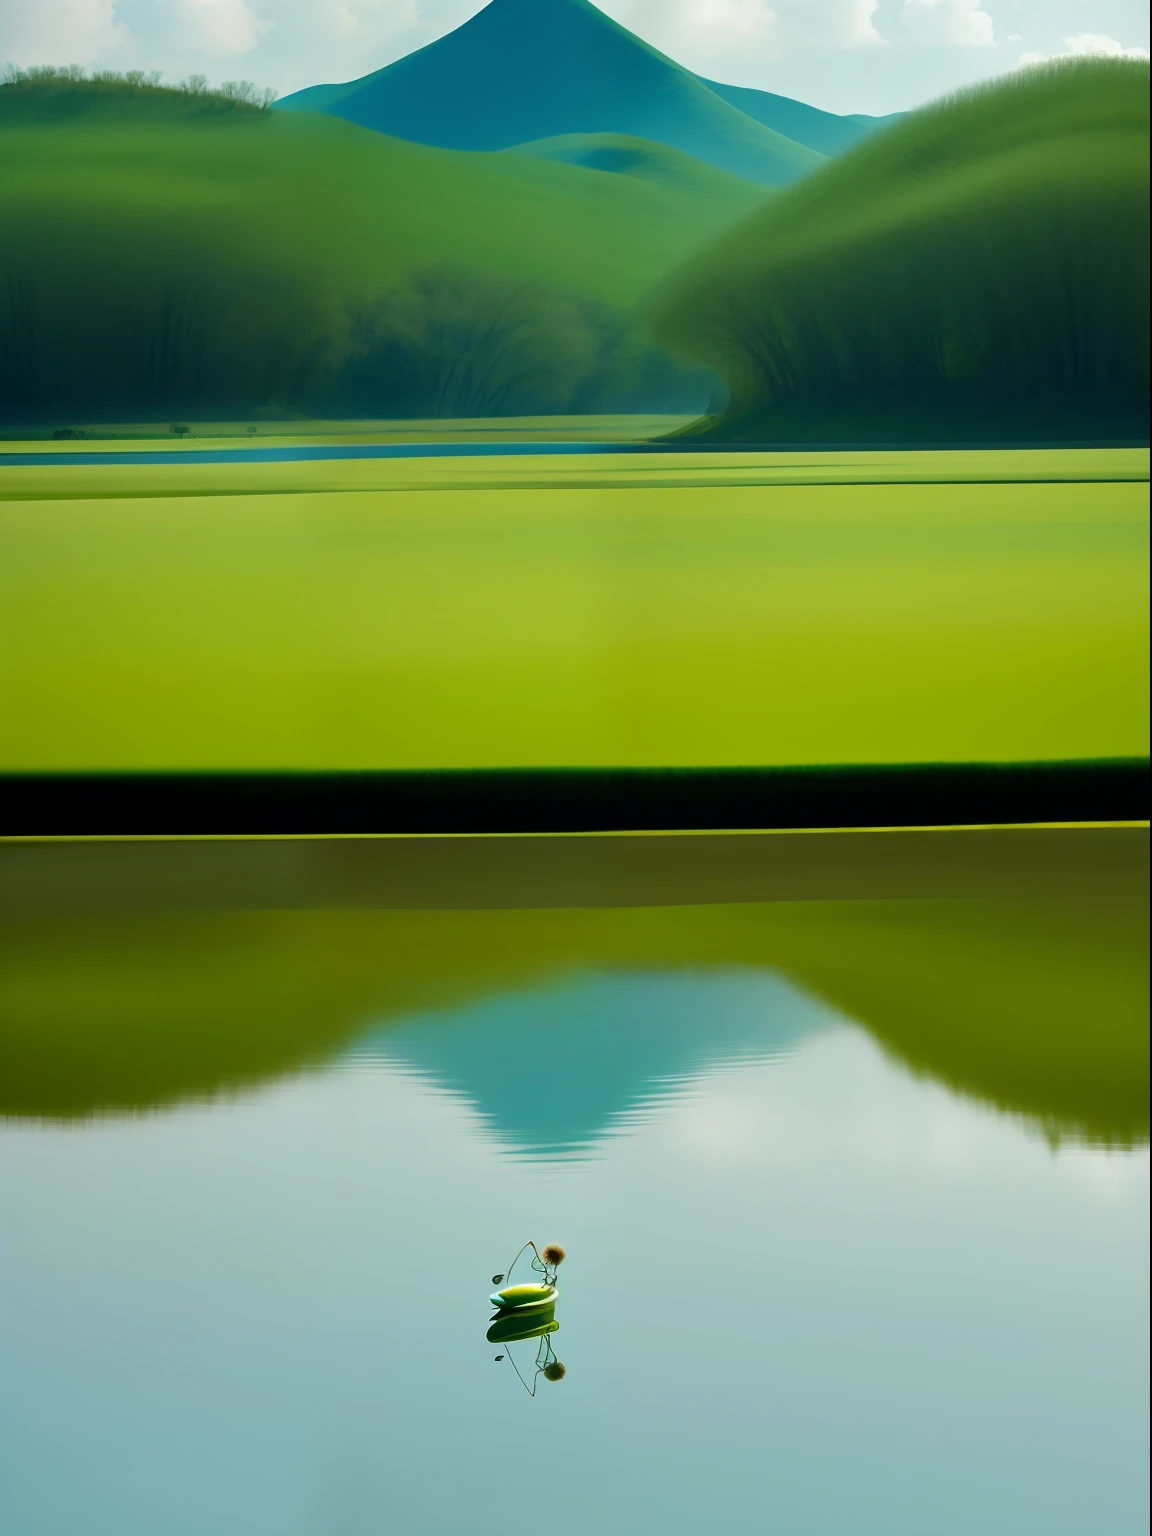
(616, 610)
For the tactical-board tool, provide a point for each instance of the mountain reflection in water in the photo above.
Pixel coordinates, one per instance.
(265, 1312)
(1010, 965)
(807, 1291)
(554, 1071)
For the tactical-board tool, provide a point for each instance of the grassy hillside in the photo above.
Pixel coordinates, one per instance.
(979, 272)
(825, 132)
(165, 253)
(523, 70)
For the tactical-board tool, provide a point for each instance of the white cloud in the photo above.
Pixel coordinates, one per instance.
(221, 26)
(1087, 45)
(718, 23)
(367, 21)
(1094, 43)
(309, 41)
(688, 29)
(709, 27)
(835, 23)
(954, 23)
(58, 31)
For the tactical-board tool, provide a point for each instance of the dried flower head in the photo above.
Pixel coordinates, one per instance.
(554, 1255)
(555, 1372)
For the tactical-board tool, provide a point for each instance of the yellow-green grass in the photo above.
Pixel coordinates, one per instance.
(591, 471)
(525, 613)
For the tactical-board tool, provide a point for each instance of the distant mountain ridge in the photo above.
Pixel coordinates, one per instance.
(520, 71)
(826, 132)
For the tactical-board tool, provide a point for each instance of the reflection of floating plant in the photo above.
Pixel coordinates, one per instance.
(547, 1366)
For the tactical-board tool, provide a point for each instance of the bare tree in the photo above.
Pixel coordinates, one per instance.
(243, 91)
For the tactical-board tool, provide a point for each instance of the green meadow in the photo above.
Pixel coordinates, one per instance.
(595, 611)
(180, 475)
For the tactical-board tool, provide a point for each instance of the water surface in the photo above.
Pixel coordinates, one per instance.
(806, 1290)
(309, 452)
(846, 1137)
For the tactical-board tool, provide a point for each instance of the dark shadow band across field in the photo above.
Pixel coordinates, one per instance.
(558, 800)
(1011, 965)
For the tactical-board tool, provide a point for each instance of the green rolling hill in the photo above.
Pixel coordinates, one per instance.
(524, 70)
(979, 272)
(164, 253)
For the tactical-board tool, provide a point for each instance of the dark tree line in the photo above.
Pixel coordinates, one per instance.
(186, 336)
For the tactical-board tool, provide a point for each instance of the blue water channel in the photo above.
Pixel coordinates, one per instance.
(305, 453)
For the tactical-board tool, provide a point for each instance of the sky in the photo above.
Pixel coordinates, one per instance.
(843, 55)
